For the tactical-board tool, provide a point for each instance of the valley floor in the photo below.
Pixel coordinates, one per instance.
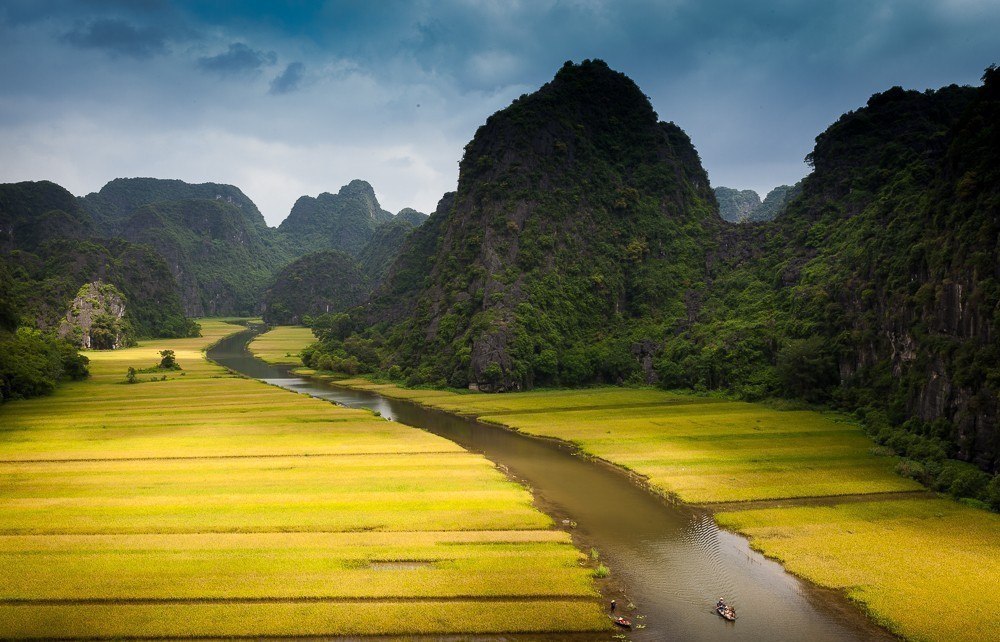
(924, 567)
(208, 505)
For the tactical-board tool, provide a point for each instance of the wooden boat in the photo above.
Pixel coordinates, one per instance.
(726, 613)
(625, 623)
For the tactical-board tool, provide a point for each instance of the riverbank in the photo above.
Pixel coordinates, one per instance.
(923, 567)
(200, 504)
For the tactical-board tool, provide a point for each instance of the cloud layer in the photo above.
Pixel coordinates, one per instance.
(290, 98)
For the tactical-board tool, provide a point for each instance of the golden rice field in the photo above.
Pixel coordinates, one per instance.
(699, 449)
(207, 505)
(926, 568)
(282, 344)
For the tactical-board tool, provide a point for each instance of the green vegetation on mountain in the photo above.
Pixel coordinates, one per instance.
(578, 225)
(221, 258)
(114, 204)
(411, 216)
(33, 212)
(96, 318)
(378, 254)
(775, 202)
(736, 205)
(877, 288)
(318, 283)
(581, 247)
(745, 206)
(50, 253)
(344, 221)
(32, 363)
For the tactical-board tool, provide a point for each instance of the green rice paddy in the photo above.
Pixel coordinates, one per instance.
(210, 505)
(282, 344)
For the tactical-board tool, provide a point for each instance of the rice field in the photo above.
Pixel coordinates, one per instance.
(282, 344)
(698, 449)
(200, 504)
(925, 568)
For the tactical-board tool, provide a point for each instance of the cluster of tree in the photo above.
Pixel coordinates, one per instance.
(32, 362)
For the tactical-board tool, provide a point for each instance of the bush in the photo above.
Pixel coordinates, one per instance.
(168, 361)
(33, 363)
(991, 494)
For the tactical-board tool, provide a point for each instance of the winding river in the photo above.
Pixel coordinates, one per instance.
(670, 560)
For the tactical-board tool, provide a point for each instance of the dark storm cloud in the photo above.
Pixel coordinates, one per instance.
(239, 59)
(390, 81)
(118, 38)
(288, 80)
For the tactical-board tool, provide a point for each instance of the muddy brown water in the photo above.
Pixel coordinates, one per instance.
(669, 560)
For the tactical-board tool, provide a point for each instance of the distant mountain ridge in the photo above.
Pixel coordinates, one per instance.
(118, 199)
(218, 246)
(745, 206)
(49, 244)
(343, 221)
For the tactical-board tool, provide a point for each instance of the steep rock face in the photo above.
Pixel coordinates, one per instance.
(318, 283)
(776, 201)
(736, 205)
(221, 259)
(890, 255)
(580, 221)
(114, 204)
(344, 221)
(96, 318)
(382, 248)
(745, 206)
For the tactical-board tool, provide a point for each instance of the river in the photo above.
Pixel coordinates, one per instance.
(671, 560)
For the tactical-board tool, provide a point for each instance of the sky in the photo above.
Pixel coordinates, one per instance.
(298, 97)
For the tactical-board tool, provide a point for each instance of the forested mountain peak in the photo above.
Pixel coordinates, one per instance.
(32, 212)
(343, 221)
(411, 216)
(745, 206)
(577, 214)
(118, 199)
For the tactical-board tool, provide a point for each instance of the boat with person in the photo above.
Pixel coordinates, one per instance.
(623, 622)
(725, 611)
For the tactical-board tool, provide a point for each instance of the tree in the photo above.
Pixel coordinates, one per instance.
(806, 368)
(168, 362)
